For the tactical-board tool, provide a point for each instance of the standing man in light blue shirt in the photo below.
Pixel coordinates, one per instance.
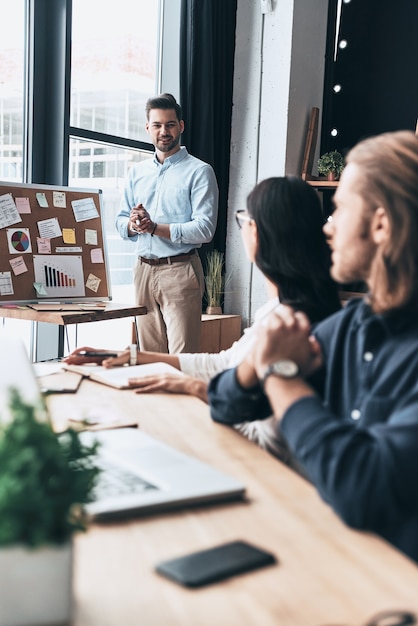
(169, 209)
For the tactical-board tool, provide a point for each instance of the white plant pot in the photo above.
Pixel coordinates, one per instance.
(36, 585)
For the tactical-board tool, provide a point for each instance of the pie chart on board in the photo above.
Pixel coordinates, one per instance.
(20, 241)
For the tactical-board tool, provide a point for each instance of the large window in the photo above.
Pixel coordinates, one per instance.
(12, 112)
(108, 56)
(114, 70)
(12, 97)
(100, 166)
(114, 66)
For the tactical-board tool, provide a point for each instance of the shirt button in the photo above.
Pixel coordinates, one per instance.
(368, 356)
(355, 414)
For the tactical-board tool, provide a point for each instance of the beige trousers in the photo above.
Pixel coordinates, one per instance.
(173, 297)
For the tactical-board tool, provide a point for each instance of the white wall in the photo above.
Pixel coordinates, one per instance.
(279, 68)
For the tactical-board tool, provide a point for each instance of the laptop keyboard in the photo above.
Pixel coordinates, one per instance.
(117, 481)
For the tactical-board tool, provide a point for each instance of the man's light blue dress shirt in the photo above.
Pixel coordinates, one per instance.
(183, 192)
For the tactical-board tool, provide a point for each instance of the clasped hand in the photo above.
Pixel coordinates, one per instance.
(140, 220)
(287, 335)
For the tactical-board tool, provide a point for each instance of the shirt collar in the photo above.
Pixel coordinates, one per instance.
(174, 158)
(391, 322)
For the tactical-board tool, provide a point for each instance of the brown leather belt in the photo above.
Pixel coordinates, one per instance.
(168, 260)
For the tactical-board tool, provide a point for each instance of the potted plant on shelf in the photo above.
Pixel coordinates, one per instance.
(45, 479)
(331, 164)
(215, 281)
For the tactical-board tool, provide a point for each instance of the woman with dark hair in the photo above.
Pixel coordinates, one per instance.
(290, 248)
(282, 233)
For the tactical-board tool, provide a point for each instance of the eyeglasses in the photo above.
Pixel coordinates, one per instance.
(392, 618)
(242, 216)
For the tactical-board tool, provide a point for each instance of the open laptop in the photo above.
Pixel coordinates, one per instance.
(140, 474)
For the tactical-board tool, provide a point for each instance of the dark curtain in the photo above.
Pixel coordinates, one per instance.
(207, 46)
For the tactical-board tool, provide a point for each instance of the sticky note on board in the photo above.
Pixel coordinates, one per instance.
(44, 245)
(91, 237)
(68, 234)
(40, 289)
(23, 205)
(96, 255)
(42, 201)
(93, 282)
(18, 265)
(59, 199)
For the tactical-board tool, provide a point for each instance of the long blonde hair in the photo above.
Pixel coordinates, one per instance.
(388, 178)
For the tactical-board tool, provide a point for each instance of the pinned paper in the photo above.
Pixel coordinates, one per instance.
(42, 201)
(49, 228)
(62, 275)
(68, 234)
(6, 285)
(93, 282)
(91, 236)
(18, 265)
(18, 240)
(84, 209)
(96, 255)
(67, 249)
(59, 199)
(40, 289)
(44, 245)
(23, 205)
(9, 214)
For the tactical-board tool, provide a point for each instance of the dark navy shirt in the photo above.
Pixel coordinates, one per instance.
(357, 440)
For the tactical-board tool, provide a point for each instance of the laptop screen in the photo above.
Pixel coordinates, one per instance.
(17, 372)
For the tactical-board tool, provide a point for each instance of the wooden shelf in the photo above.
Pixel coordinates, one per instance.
(323, 184)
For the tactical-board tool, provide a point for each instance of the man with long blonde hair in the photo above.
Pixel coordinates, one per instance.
(345, 394)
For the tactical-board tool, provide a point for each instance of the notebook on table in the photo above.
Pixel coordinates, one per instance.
(140, 473)
(52, 378)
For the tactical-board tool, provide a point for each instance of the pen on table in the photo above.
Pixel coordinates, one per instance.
(101, 354)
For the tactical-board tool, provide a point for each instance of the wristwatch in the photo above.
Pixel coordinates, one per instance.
(285, 368)
(132, 354)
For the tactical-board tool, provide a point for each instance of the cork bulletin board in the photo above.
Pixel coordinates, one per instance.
(51, 245)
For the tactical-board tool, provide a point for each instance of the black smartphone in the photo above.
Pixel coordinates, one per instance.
(209, 566)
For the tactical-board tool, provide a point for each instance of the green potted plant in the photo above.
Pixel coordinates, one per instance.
(331, 164)
(45, 479)
(215, 281)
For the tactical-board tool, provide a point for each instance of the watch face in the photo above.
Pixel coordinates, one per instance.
(284, 368)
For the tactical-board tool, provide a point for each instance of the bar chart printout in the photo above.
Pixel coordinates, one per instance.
(61, 276)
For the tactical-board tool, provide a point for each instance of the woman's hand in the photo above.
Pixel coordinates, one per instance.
(107, 358)
(87, 354)
(170, 383)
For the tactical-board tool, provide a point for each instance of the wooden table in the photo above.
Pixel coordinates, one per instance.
(327, 573)
(63, 315)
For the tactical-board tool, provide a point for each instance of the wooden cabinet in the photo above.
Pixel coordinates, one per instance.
(219, 332)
